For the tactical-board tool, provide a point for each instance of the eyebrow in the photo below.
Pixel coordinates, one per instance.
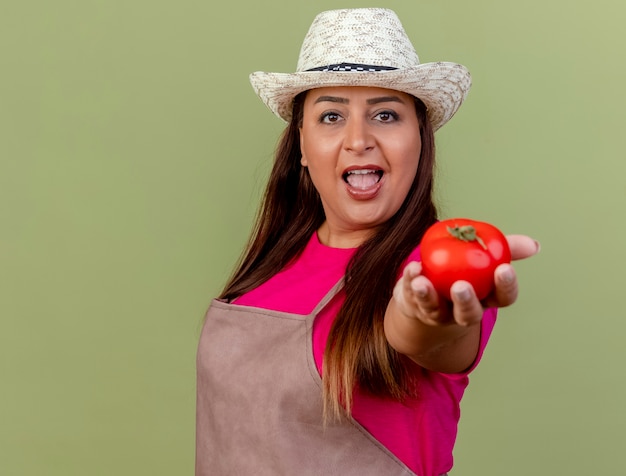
(331, 99)
(385, 99)
(369, 101)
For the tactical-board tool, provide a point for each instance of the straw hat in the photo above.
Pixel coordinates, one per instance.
(364, 47)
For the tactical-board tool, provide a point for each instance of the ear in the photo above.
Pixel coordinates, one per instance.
(303, 160)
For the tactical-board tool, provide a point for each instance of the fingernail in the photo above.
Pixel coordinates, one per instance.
(507, 276)
(538, 245)
(412, 269)
(420, 290)
(462, 294)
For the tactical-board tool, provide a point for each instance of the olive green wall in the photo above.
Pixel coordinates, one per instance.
(132, 155)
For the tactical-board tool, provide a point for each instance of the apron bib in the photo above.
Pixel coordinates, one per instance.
(259, 401)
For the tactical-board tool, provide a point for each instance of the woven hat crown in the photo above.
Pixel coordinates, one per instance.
(364, 47)
(372, 36)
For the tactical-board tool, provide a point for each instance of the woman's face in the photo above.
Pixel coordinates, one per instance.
(362, 147)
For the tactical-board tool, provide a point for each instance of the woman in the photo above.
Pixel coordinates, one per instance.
(328, 352)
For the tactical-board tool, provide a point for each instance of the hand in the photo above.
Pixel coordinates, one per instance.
(417, 298)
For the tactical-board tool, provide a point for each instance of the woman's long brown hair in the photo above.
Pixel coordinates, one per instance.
(357, 352)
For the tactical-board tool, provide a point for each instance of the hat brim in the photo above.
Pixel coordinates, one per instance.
(442, 86)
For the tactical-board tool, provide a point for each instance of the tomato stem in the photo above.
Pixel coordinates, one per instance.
(466, 233)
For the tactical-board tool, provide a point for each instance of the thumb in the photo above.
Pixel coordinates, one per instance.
(522, 246)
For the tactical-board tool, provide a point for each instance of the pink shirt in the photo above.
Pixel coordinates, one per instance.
(420, 432)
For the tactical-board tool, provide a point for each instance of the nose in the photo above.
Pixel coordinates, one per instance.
(358, 136)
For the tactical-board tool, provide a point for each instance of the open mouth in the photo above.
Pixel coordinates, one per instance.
(363, 179)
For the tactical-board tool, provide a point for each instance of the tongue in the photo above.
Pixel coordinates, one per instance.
(363, 181)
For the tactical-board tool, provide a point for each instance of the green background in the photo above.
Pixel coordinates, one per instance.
(132, 155)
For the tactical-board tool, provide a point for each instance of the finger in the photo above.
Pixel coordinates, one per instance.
(467, 309)
(425, 297)
(403, 293)
(413, 269)
(506, 285)
(522, 246)
(419, 298)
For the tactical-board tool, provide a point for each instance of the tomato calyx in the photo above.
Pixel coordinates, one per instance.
(466, 233)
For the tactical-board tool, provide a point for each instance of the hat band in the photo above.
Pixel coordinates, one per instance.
(352, 67)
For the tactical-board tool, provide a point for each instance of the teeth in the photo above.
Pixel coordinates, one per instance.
(363, 178)
(362, 172)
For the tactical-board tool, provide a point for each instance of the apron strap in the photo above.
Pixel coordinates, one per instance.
(328, 297)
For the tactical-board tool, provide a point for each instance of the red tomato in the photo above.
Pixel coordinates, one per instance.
(463, 249)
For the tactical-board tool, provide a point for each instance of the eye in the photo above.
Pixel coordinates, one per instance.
(329, 117)
(386, 116)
